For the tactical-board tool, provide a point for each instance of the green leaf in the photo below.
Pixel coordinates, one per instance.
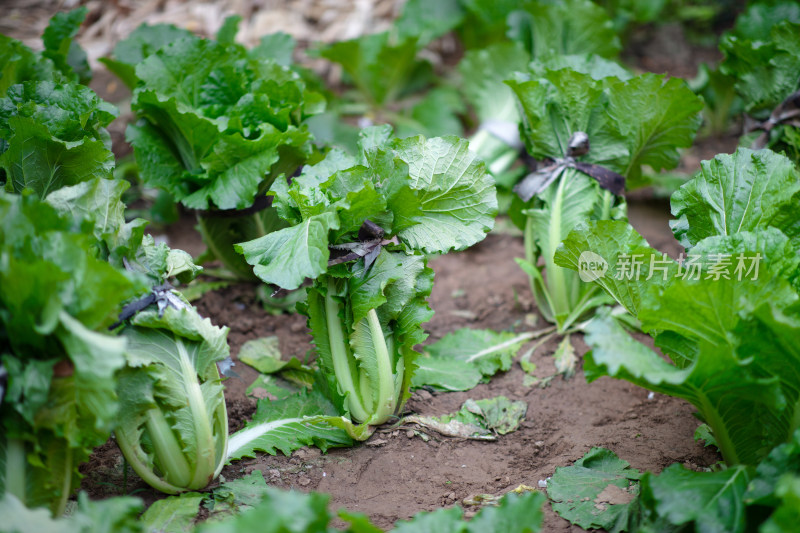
(556, 104)
(100, 201)
(38, 161)
(765, 69)
(18, 64)
(758, 20)
(445, 374)
(782, 460)
(60, 47)
(278, 47)
(719, 385)
(142, 42)
(712, 501)
(380, 66)
(114, 515)
(515, 514)
(655, 116)
(744, 191)
(175, 514)
(563, 28)
(615, 250)
(230, 27)
(447, 520)
(236, 496)
(455, 193)
(483, 72)
(287, 257)
(280, 511)
(597, 492)
(287, 425)
(785, 517)
(460, 360)
(427, 21)
(264, 355)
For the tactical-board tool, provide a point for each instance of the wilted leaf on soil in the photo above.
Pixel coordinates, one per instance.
(477, 420)
(515, 514)
(598, 491)
(236, 496)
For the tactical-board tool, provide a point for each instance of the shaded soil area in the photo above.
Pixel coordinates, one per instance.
(397, 474)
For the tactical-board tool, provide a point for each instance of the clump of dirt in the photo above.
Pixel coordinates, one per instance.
(397, 474)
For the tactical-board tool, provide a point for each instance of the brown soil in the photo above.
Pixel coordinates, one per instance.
(394, 476)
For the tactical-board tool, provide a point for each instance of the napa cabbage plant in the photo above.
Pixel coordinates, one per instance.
(762, 58)
(361, 229)
(218, 124)
(173, 423)
(61, 60)
(61, 362)
(726, 314)
(593, 133)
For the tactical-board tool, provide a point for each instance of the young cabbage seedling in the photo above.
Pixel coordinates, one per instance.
(360, 230)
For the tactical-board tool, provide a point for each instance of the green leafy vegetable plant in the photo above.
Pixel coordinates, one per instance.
(62, 60)
(61, 362)
(726, 315)
(595, 132)
(173, 422)
(762, 56)
(359, 229)
(219, 123)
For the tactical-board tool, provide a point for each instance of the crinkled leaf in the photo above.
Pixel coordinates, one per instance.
(287, 425)
(717, 383)
(456, 195)
(655, 116)
(597, 492)
(175, 514)
(460, 360)
(37, 160)
(60, 47)
(744, 191)
(288, 256)
(563, 28)
(236, 496)
(18, 64)
(284, 511)
(712, 501)
(765, 70)
(142, 42)
(627, 258)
